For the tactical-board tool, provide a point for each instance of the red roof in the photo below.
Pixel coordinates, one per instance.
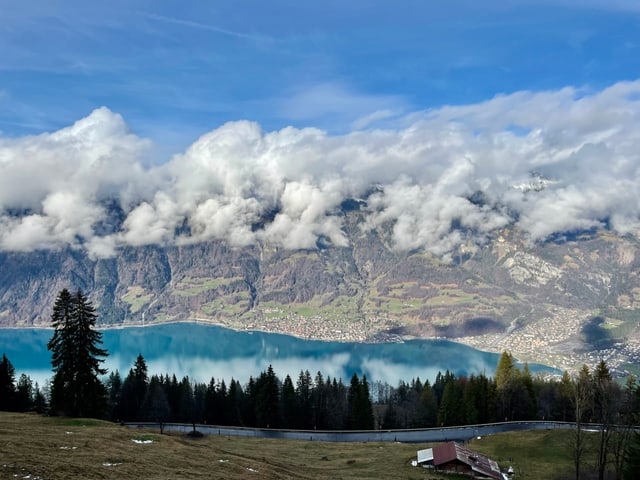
(453, 451)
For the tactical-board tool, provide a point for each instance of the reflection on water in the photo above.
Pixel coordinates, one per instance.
(204, 351)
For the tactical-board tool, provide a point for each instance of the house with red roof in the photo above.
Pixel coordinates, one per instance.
(453, 457)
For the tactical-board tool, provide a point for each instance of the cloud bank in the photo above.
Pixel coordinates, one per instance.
(545, 162)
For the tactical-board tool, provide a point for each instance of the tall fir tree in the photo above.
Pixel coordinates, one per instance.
(62, 351)
(360, 410)
(7, 384)
(76, 358)
(288, 403)
(267, 399)
(134, 389)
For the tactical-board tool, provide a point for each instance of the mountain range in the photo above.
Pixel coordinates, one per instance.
(572, 294)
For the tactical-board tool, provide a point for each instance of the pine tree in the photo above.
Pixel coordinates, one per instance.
(506, 377)
(452, 406)
(39, 400)
(7, 384)
(303, 395)
(155, 404)
(429, 406)
(24, 394)
(288, 403)
(213, 415)
(134, 390)
(360, 410)
(234, 403)
(114, 387)
(76, 357)
(267, 399)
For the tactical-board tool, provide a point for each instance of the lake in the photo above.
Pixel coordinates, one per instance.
(205, 351)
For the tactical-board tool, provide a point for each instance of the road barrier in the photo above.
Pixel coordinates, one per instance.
(421, 435)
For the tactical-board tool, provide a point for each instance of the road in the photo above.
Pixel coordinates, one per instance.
(405, 436)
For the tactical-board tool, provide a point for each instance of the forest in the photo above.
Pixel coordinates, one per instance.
(319, 402)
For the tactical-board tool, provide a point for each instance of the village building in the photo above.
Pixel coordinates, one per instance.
(453, 457)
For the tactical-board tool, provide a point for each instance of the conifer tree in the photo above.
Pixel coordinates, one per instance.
(267, 399)
(76, 358)
(303, 395)
(155, 404)
(233, 415)
(134, 390)
(24, 394)
(429, 406)
(7, 384)
(114, 387)
(452, 406)
(360, 410)
(39, 400)
(506, 377)
(288, 403)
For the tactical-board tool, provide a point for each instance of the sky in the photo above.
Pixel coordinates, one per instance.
(216, 113)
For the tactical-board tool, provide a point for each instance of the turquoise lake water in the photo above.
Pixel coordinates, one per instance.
(205, 351)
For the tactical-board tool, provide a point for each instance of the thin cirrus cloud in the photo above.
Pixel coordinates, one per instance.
(421, 174)
(334, 102)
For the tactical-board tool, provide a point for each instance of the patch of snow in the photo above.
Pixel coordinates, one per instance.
(68, 448)
(252, 470)
(141, 441)
(107, 464)
(223, 461)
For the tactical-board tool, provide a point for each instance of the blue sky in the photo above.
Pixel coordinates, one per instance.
(217, 114)
(175, 70)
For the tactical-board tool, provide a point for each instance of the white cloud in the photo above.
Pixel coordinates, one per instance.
(243, 185)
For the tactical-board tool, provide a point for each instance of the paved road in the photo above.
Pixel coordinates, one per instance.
(405, 436)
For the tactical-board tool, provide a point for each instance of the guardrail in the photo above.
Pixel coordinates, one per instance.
(445, 434)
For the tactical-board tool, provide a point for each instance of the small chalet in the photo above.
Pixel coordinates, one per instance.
(453, 457)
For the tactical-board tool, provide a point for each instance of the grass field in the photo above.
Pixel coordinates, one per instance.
(47, 448)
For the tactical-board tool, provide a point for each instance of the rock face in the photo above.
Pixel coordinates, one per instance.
(366, 288)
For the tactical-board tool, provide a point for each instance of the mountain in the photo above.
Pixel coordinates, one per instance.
(562, 302)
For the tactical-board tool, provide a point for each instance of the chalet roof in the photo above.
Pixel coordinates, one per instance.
(454, 451)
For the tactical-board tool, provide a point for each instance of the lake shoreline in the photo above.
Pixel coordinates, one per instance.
(387, 338)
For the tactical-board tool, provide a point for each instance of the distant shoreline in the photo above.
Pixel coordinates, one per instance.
(400, 338)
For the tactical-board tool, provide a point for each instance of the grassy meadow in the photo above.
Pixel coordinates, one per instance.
(49, 448)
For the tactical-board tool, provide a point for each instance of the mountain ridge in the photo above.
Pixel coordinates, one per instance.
(366, 291)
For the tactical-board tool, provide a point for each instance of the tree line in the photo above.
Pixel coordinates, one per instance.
(265, 401)
(511, 394)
